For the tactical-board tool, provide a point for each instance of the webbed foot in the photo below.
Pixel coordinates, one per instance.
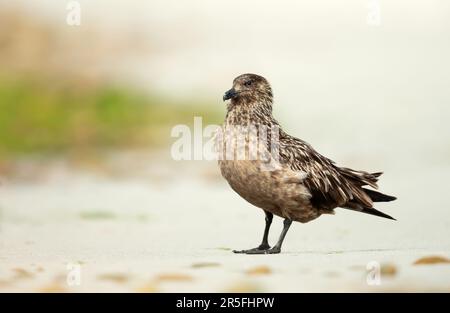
(262, 249)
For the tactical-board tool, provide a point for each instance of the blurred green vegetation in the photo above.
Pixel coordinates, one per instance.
(53, 118)
(56, 99)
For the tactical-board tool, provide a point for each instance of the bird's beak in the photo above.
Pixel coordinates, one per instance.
(230, 94)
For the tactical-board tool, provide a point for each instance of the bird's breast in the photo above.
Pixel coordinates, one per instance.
(279, 191)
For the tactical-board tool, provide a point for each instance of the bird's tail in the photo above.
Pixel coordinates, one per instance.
(378, 196)
(363, 197)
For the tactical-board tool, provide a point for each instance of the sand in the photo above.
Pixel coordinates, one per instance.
(171, 229)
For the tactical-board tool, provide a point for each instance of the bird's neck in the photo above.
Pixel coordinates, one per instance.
(242, 111)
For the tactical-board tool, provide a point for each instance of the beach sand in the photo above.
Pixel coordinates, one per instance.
(171, 228)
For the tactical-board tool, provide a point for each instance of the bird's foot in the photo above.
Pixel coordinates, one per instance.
(262, 249)
(274, 250)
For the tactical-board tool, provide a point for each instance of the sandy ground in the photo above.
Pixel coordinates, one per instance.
(372, 98)
(158, 229)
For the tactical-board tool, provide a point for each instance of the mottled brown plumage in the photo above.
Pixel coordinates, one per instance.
(304, 185)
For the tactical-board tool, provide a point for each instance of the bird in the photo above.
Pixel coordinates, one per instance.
(303, 185)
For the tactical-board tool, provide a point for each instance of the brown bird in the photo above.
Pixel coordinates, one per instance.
(302, 185)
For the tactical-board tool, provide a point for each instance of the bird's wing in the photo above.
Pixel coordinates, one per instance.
(329, 187)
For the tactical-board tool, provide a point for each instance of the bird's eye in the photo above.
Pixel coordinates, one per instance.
(248, 83)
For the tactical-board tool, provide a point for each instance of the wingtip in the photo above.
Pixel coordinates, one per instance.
(385, 216)
(375, 212)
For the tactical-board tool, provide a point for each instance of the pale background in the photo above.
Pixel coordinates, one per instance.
(369, 97)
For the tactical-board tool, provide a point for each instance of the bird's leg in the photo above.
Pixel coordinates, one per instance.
(277, 248)
(264, 246)
(265, 241)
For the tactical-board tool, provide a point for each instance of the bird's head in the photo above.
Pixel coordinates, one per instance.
(249, 88)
